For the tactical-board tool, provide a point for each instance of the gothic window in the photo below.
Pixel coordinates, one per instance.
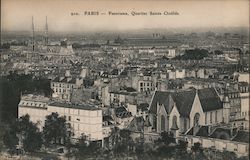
(216, 116)
(196, 119)
(162, 123)
(211, 117)
(205, 118)
(185, 125)
(174, 123)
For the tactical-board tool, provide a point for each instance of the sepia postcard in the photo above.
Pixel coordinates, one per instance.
(124, 80)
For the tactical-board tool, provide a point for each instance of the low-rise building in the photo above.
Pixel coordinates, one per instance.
(83, 118)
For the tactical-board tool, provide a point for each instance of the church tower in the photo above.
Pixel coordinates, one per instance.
(33, 35)
(226, 107)
(46, 37)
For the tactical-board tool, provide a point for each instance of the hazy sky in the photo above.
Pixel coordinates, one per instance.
(16, 14)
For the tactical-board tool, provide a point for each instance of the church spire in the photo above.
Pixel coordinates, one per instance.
(33, 35)
(46, 32)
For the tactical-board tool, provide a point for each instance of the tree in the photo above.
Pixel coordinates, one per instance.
(30, 136)
(10, 140)
(139, 150)
(198, 151)
(24, 132)
(85, 150)
(166, 138)
(56, 130)
(181, 151)
(229, 155)
(125, 135)
(218, 52)
(193, 54)
(12, 87)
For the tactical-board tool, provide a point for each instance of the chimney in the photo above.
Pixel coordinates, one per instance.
(67, 73)
(144, 115)
(84, 72)
(68, 79)
(61, 78)
(79, 81)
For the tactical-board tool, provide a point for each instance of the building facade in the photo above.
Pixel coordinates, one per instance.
(83, 118)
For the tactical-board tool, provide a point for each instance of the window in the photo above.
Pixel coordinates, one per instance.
(69, 118)
(185, 125)
(141, 84)
(162, 123)
(205, 118)
(197, 119)
(150, 139)
(216, 116)
(211, 117)
(174, 123)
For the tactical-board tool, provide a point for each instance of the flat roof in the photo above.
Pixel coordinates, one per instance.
(75, 106)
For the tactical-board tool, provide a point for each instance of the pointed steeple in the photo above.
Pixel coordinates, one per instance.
(226, 106)
(46, 37)
(33, 35)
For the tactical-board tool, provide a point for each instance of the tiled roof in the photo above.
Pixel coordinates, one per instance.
(136, 124)
(107, 118)
(221, 133)
(161, 98)
(209, 99)
(121, 112)
(184, 100)
(203, 131)
(242, 136)
(143, 106)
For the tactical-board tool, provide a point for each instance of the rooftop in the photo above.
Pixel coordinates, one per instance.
(35, 98)
(75, 106)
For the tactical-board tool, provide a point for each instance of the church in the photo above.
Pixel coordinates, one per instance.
(178, 111)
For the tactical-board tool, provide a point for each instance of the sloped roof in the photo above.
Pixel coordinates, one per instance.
(221, 133)
(136, 124)
(143, 106)
(161, 98)
(203, 131)
(242, 136)
(209, 99)
(184, 101)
